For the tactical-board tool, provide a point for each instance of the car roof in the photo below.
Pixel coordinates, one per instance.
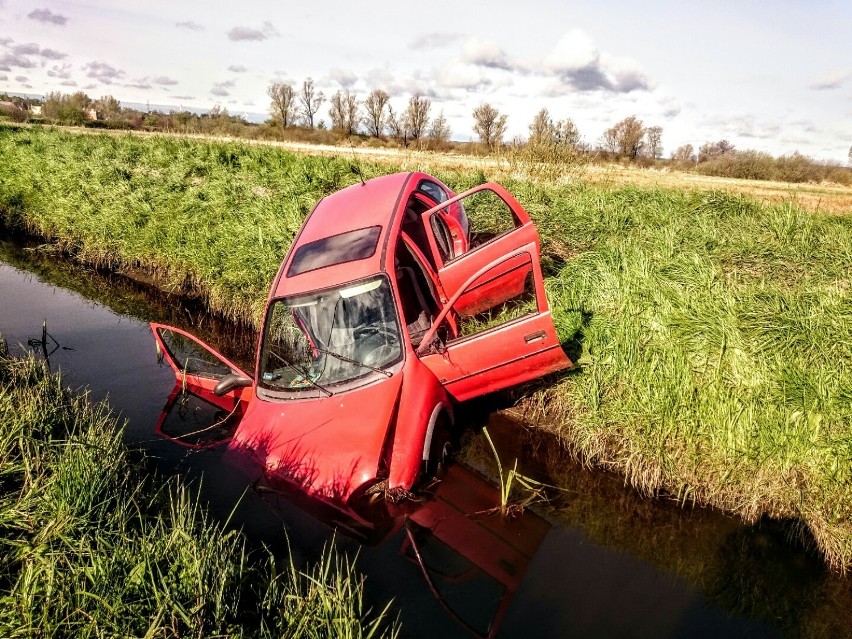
(363, 205)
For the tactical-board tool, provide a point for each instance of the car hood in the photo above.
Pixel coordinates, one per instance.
(327, 446)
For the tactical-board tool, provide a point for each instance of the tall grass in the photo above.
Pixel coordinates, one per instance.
(90, 546)
(713, 333)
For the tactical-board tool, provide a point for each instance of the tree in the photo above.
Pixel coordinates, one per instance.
(396, 126)
(344, 112)
(311, 100)
(416, 116)
(710, 150)
(654, 142)
(685, 153)
(545, 132)
(439, 131)
(108, 107)
(374, 106)
(283, 106)
(489, 125)
(66, 109)
(625, 138)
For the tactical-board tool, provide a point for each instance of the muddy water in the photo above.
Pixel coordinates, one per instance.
(598, 561)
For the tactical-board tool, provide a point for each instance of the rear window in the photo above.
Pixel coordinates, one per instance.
(335, 249)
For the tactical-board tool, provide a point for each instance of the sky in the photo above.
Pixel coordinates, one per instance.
(775, 76)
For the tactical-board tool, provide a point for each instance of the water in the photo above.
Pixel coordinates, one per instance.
(601, 562)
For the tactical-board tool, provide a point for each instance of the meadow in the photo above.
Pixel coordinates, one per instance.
(712, 330)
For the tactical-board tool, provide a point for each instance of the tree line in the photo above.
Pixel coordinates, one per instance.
(379, 120)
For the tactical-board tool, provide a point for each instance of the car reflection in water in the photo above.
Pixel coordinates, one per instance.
(472, 560)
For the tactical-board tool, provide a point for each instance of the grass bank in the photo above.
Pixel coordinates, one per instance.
(91, 546)
(715, 332)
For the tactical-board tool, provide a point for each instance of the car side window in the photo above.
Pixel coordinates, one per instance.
(489, 217)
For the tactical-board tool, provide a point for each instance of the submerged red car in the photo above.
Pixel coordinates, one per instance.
(397, 299)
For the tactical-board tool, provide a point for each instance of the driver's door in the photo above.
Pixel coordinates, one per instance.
(198, 367)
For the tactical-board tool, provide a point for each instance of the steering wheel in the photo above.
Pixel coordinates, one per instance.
(370, 330)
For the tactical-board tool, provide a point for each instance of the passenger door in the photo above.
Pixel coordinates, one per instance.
(198, 368)
(500, 339)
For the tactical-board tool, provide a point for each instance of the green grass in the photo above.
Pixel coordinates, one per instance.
(92, 546)
(714, 333)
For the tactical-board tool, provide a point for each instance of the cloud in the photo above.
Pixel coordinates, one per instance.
(21, 78)
(190, 25)
(184, 97)
(68, 83)
(31, 48)
(62, 71)
(47, 16)
(434, 40)
(26, 49)
(250, 33)
(579, 66)
(164, 80)
(828, 83)
(237, 68)
(103, 72)
(8, 60)
(52, 54)
(485, 53)
(217, 90)
(3, 77)
(5, 42)
(344, 77)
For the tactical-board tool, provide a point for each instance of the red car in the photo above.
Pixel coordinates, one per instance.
(397, 299)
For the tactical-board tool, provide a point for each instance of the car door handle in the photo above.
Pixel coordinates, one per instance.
(532, 337)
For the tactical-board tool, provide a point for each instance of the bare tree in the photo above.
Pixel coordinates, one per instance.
(439, 131)
(685, 153)
(654, 141)
(396, 126)
(416, 116)
(311, 100)
(710, 150)
(374, 106)
(344, 112)
(489, 125)
(625, 138)
(283, 106)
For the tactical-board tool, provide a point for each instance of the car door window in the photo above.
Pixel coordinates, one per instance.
(489, 217)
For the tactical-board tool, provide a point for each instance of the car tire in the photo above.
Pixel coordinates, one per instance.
(441, 450)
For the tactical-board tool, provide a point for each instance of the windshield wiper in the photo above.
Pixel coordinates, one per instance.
(304, 374)
(352, 361)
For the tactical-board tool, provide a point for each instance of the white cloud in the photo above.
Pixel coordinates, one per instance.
(346, 78)
(486, 53)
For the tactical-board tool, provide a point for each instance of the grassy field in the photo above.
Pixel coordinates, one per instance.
(714, 329)
(93, 546)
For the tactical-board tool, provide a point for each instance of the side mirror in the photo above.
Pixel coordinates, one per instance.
(230, 382)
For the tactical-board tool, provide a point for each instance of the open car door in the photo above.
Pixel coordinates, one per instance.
(498, 224)
(200, 369)
(500, 340)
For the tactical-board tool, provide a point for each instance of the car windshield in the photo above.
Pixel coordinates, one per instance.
(330, 336)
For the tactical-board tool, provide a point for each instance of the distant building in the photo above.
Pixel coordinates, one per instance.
(9, 106)
(93, 114)
(35, 109)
